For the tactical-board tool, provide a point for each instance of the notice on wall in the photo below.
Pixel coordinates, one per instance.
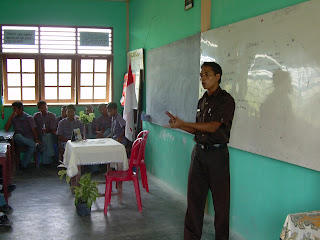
(25, 37)
(98, 39)
(135, 57)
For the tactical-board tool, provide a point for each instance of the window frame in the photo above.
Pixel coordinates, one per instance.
(73, 79)
(108, 84)
(39, 70)
(5, 78)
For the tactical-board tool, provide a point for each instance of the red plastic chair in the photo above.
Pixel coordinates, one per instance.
(143, 170)
(129, 175)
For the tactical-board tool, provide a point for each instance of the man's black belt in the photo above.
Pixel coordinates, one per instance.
(212, 146)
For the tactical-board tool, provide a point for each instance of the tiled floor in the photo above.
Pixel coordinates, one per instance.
(44, 209)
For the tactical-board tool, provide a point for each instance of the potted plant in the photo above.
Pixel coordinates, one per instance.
(85, 193)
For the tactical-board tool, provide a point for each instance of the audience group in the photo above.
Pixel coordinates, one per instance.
(47, 134)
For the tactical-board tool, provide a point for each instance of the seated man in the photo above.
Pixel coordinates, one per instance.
(103, 123)
(67, 125)
(91, 128)
(25, 134)
(46, 130)
(62, 116)
(118, 124)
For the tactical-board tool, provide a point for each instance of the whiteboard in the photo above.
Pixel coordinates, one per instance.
(271, 67)
(172, 80)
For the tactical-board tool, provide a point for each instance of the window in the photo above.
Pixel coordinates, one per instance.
(58, 80)
(56, 64)
(94, 80)
(20, 76)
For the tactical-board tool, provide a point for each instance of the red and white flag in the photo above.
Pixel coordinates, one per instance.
(129, 105)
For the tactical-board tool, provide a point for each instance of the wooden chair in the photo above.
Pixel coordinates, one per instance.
(18, 150)
(5, 161)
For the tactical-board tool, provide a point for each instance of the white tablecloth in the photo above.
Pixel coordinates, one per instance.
(93, 151)
(302, 226)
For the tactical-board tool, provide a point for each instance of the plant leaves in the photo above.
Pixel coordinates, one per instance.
(87, 190)
(89, 203)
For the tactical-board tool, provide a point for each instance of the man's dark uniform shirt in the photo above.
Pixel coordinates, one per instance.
(218, 107)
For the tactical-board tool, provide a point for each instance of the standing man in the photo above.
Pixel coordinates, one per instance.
(46, 130)
(25, 134)
(209, 168)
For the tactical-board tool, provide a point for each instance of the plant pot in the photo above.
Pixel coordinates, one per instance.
(83, 210)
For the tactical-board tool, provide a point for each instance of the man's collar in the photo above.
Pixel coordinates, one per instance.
(72, 120)
(215, 93)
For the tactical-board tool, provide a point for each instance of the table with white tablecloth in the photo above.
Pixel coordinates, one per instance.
(301, 226)
(94, 151)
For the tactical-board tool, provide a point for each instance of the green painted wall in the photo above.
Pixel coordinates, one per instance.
(225, 12)
(263, 190)
(73, 13)
(156, 23)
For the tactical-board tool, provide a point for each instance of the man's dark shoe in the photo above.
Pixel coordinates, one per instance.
(11, 188)
(4, 221)
(6, 209)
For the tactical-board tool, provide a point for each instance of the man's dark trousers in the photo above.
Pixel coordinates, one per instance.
(209, 169)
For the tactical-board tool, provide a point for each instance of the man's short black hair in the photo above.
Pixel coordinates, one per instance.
(41, 102)
(112, 105)
(17, 104)
(64, 107)
(71, 106)
(216, 68)
(102, 105)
